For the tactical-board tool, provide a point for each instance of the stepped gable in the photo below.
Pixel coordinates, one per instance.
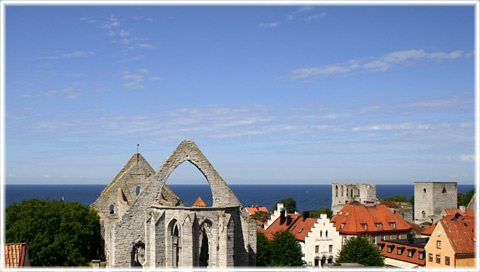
(199, 203)
(355, 216)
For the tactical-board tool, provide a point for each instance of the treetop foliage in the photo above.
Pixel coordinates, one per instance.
(57, 233)
(289, 203)
(464, 198)
(360, 250)
(284, 250)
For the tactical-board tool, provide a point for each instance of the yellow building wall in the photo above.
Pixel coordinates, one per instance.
(446, 250)
(431, 248)
(465, 261)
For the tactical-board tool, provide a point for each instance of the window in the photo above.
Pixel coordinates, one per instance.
(358, 192)
(326, 233)
(112, 209)
(439, 244)
(379, 225)
(374, 239)
(381, 246)
(400, 250)
(137, 190)
(317, 249)
(411, 252)
(330, 248)
(321, 233)
(447, 260)
(384, 238)
(430, 257)
(390, 248)
(444, 191)
(438, 258)
(392, 225)
(364, 226)
(421, 255)
(424, 190)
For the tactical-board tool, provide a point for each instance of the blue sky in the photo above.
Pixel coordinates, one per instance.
(270, 94)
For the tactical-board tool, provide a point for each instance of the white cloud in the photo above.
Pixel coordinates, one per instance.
(269, 25)
(316, 16)
(467, 158)
(299, 10)
(373, 64)
(111, 23)
(123, 33)
(78, 54)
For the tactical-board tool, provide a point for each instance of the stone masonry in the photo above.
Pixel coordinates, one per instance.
(143, 223)
(431, 198)
(344, 193)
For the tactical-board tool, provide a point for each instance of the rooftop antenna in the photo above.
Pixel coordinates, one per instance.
(137, 153)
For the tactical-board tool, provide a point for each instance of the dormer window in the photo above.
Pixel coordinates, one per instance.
(379, 225)
(400, 250)
(364, 226)
(343, 225)
(392, 225)
(390, 248)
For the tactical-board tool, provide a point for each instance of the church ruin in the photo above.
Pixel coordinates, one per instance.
(143, 223)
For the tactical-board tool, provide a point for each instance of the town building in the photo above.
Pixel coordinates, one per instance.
(452, 243)
(143, 222)
(264, 215)
(16, 255)
(404, 253)
(377, 222)
(323, 243)
(431, 198)
(345, 193)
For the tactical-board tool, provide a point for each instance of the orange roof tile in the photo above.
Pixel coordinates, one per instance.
(417, 246)
(352, 219)
(266, 233)
(254, 210)
(468, 211)
(15, 255)
(460, 231)
(280, 225)
(298, 226)
(199, 203)
(429, 230)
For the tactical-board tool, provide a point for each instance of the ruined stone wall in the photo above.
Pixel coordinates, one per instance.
(136, 189)
(431, 198)
(344, 193)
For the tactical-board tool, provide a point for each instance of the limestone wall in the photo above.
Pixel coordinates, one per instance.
(431, 198)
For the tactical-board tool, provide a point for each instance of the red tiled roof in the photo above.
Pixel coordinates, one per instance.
(254, 210)
(266, 233)
(353, 218)
(405, 251)
(429, 230)
(298, 226)
(460, 231)
(15, 255)
(468, 212)
(199, 203)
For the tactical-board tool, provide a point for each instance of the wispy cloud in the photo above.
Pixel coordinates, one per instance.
(300, 10)
(373, 64)
(70, 92)
(316, 16)
(467, 158)
(269, 25)
(78, 54)
(135, 80)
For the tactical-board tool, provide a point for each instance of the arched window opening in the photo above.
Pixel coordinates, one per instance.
(204, 255)
(424, 190)
(112, 209)
(175, 246)
(185, 179)
(423, 214)
(138, 254)
(336, 190)
(342, 190)
(444, 191)
(358, 192)
(137, 190)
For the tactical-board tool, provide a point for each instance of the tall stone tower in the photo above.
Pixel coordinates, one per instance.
(431, 198)
(144, 224)
(344, 193)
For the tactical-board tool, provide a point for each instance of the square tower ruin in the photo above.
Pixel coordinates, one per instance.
(431, 198)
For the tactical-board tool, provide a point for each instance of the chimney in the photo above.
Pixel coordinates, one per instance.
(410, 238)
(306, 214)
(462, 208)
(282, 216)
(289, 220)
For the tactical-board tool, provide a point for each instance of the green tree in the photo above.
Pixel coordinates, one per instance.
(57, 233)
(396, 199)
(360, 250)
(323, 210)
(289, 203)
(264, 254)
(285, 250)
(262, 216)
(463, 199)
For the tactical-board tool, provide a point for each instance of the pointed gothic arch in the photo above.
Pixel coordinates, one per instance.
(188, 151)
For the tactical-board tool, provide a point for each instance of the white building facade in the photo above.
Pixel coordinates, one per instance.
(322, 243)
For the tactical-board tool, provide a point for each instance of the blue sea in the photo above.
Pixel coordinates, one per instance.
(308, 197)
